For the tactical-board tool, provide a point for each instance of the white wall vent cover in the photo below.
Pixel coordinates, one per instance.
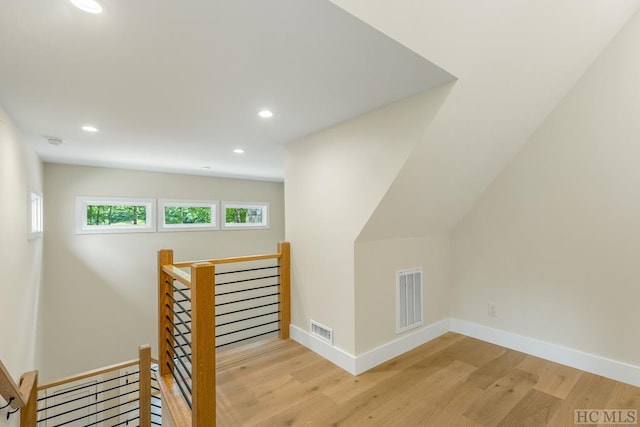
(408, 299)
(321, 332)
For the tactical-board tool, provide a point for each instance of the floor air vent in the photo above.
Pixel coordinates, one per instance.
(408, 299)
(322, 332)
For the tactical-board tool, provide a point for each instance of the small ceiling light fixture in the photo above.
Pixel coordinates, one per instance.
(265, 114)
(238, 151)
(89, 128)
(89, 6)
(54, 141)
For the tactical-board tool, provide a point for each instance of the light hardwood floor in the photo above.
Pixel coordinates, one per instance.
(451, 381)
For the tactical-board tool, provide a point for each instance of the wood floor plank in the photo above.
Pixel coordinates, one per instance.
(627, 398)
(254, 371)
(418, 403)
(501, 397)
(459, 399)
(318, 367)
(451, 404)
(303, 414)
(624, 396)
(441, 383)
(590, 392)
(356, 409)
(553, 378)
(268, 399)
(345, 390)
(422, 352)
(534, 409)
(445, 418)
(474, 352)
(495, 369)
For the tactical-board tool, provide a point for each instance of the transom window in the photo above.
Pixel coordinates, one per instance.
(114, 215)
(243, 215)
(184, 215)
(36, 215)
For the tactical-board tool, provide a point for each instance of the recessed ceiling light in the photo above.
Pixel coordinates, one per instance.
(265, 114)
(89, 128)
(89, 6)
(238, 151)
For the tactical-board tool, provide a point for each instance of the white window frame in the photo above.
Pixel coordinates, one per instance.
(248, 205)
(163, 227)
(81, 215)
(35, 214)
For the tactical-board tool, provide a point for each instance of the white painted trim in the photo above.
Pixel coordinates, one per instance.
(372, 358)
(619, 371)
(332, 353)
(356, 365)
(211, 204)
(407, 342)
(81, 215)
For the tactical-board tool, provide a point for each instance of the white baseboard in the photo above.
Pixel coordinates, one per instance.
(599, 365)
(372, 358)
(395, 348)
(333, 354)
(356, 365)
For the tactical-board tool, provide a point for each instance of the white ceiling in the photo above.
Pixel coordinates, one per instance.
(177, 85)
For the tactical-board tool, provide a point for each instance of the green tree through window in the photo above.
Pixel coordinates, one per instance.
(244, 215)
(238, 215)
(187, 215)
(110, 215)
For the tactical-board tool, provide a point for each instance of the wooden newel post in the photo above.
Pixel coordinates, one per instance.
(203, 345)
(284, 269)
(165, 316)
(144, 357)
(29, 413)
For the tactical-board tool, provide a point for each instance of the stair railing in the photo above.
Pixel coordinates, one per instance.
(123, 394)
(250, 301)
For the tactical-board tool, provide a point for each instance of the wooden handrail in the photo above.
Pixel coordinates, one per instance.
(228, 260)
(17, 395)
(88, 374)
(180, 275)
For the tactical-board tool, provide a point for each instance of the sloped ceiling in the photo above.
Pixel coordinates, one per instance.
(177, 85)
(514, 61)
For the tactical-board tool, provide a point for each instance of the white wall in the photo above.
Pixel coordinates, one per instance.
(514, 60)
(376, 264)
(100, 290)
(554, 241)
(334, 180)
(20, 172)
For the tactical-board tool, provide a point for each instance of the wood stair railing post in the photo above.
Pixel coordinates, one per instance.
(203, 345)
(165, 316)
(144, 394)
(284, 269)
(29, 413)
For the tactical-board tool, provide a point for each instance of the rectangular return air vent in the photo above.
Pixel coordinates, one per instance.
(321, 332)
(408, 299)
